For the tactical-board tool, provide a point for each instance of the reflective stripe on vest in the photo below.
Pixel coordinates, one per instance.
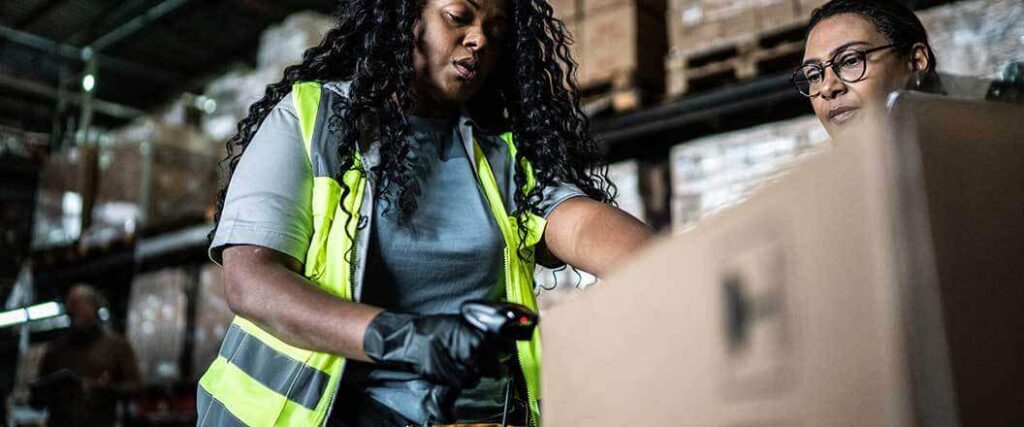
(258, 379)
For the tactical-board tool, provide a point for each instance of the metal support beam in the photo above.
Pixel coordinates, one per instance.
(38, 12)
(74, 53)
(116, 12)
(104, 107)
(136, 24)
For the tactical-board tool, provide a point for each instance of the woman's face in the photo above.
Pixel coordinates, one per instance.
(840, 104)
(458, 43)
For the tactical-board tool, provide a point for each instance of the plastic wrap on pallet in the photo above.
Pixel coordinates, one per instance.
(163, 131)
(213, 316)
(156, 323)
(148, 184)
(626, 177)
(713, 173)
(976, 37)
(232, 94)
(283, 44)
(60, 198)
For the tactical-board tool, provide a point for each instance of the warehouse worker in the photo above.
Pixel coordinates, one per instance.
(423, 155)
(88, 369)
(856, 53)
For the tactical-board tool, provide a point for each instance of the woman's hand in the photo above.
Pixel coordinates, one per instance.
(444, 349)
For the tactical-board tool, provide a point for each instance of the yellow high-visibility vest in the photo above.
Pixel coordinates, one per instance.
(257, 379)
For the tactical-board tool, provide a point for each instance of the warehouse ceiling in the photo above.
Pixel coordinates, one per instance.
(147, 51)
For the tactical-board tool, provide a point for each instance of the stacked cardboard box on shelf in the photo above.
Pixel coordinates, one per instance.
(62, 193)
(152, 174)
(713, 173)
(619, 46)
(976, 37)
(157, 310)
(281, 45)
(213, 317)
(713, 43)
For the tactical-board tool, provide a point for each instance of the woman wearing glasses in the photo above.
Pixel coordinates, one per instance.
(857, 52)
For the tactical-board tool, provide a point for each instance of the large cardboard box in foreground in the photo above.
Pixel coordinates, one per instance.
(878, 284)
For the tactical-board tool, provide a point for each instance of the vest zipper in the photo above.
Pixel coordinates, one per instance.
(530, 421)
(351, 288)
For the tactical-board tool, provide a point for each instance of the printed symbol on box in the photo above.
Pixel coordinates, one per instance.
(755, 322)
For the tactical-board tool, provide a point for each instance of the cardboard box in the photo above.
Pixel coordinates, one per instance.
(877, 284)
(775, 14)
(614, 46)
(975, 38)
(283, 44)
(806, 7)
(213, 317)
(626, 177)
(567, 10)
(598, 6)
(64, 192)
(151, 185)
(156, 323)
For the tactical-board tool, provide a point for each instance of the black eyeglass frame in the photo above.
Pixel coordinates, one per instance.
(831, 64)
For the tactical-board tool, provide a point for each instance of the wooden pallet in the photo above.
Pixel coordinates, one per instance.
(729, 61)
(620, 94)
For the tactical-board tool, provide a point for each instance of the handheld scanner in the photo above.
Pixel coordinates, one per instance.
(501, 319)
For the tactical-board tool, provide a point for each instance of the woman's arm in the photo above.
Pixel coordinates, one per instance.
(593, 236)
(265, 287)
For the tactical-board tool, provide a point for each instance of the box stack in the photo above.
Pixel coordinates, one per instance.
(977, 37)
(156, 324)
(213, 316)
(619, 45)
(152, 182)
(712, 173)
(713, 43)
(62, 193)
(281, 45)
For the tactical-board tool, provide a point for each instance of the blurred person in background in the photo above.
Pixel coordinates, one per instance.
(859, 51)
(86, 371)
(425, 154)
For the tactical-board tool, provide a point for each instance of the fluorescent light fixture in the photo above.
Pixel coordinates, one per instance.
(13, 317)
(43, 311)
(35, 312)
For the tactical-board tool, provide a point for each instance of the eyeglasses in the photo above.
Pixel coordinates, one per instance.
(849, 65)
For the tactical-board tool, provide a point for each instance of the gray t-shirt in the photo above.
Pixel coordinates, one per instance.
(449, 251)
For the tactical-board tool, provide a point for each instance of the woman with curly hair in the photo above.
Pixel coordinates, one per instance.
(425, 154)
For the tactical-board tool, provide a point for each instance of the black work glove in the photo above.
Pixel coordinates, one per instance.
(444, 349)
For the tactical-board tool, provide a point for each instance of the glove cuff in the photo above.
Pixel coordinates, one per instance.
(381, 331)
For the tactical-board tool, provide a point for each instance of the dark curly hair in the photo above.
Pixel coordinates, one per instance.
(895, 21)
(533, 88)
